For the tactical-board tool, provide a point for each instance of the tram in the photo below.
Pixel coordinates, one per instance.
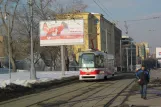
(95, 65)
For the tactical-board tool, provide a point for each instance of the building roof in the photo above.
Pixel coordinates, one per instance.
(94, 13)
(125, 36)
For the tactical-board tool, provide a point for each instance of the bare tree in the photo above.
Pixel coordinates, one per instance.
(9, 7)
(51, 56)
(42, 10)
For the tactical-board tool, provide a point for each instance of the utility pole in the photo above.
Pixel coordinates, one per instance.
(121, 55)
(106, 41)
(131, 56)
(127, 58)
(32, 72)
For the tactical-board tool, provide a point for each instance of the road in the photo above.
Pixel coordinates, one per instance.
(78, 94)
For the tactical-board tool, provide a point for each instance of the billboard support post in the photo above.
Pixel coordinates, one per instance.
(62, 60)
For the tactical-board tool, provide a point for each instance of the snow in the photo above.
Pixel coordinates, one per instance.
(22, 77)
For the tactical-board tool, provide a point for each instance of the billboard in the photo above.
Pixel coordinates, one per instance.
(61, 32)
(158, 52)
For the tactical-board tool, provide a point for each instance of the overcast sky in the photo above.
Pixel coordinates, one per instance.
(122, 10)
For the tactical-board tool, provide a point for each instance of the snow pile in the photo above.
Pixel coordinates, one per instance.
(23, 77)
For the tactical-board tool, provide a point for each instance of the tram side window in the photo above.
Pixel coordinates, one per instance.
(99, 61)
(109, 64)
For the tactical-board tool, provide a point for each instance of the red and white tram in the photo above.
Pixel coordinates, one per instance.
(95, 65)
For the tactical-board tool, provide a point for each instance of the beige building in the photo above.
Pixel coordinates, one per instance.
(98, 32)
(147, 50)
(142, 50)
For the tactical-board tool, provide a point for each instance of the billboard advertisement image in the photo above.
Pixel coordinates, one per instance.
(61, 32)
(158, 52)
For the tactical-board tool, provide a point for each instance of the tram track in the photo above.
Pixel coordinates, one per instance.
(37, 103)
(108, 104)
(78, 94)
(49, 92)
(88, 97)
(92, 92)
(73, 103)
(95, 100)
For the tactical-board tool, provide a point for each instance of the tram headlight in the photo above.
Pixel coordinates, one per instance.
(101, 72)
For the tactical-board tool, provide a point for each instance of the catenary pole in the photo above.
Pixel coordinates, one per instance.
(127, 59)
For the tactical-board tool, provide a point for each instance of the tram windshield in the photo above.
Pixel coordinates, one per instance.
(87, 60)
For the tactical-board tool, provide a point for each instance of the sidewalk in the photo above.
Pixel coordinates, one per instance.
(153, 98)
(153, 94)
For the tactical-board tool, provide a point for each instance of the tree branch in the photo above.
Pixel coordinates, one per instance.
(13, 17)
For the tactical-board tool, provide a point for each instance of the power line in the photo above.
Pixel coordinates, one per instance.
(106, 13)
(111, 15)
(105, 7)
(143, 19)
(126, 26)
(101, 8)
(156, 17)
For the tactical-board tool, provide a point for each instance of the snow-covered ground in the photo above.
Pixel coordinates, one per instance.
(23, 77)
